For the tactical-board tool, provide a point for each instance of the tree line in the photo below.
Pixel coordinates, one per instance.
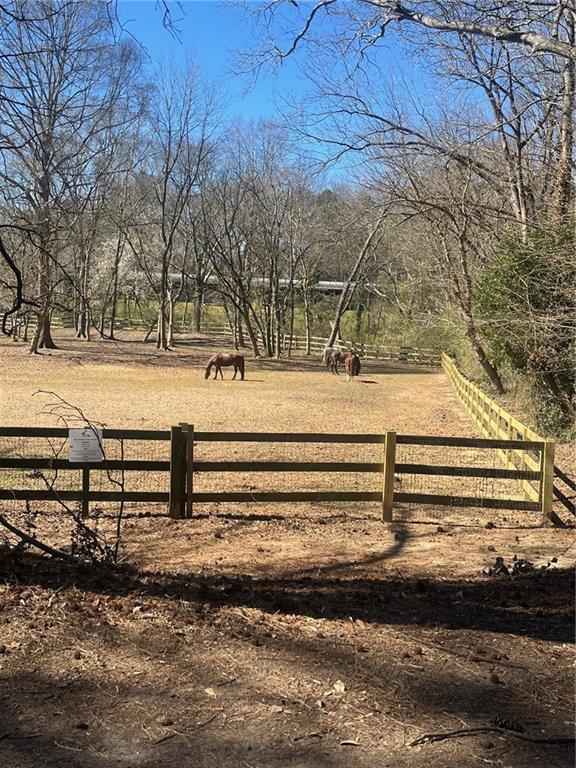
(453, 211)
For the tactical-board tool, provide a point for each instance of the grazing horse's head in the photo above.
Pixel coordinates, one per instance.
(209, 366)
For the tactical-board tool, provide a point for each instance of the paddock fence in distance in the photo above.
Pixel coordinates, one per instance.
(401, 354)
(317, 344)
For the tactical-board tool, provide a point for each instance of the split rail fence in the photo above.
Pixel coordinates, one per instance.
(495, 422)
(318, 344)
(401, 354)
(32, 468)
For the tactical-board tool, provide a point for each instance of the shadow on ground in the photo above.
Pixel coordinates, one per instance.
(538, 604)
(74, 725)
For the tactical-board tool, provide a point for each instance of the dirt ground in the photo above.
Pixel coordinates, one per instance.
(279, 635)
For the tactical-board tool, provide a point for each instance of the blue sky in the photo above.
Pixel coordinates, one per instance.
(213, 32)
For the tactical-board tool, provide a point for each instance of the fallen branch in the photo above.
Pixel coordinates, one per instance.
(33, 541)
(428, 738)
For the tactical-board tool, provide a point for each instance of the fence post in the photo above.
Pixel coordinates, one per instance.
(189, 469)
(547, 481)
(177, 473)
(388, 476)
(188, 461)
(85, 491)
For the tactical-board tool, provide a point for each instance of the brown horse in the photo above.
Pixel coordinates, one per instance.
(225, 359)
(352, 365)
(333, 357)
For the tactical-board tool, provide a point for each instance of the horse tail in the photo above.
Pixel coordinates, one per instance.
(241, 367)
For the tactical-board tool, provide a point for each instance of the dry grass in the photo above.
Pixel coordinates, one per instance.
(129, 384)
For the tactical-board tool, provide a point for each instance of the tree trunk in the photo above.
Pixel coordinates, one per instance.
(161, 328)
(117, 257)
(80, 319)
(171, 317)
(250, 330)
(38, 331)
(83, 322)
(563, 398)
(358, 326)
(291, 323)
(43, 335)
(307, 318)
(230, 320)
(161, 335)
(199, 299)
(278, 318)
(350, 285)
(235, 329)
(490, 370)
(46, 340)
(153, 325)
(241, 341)
(113, 308)
(185, 312)
(563, 184)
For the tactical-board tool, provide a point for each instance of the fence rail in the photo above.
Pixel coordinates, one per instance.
(175, 476)
(18, 468)
(388, 353)
(495, 422)
(403, 354)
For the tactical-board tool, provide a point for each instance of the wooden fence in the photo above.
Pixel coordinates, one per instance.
(387, 353)
(54, 463)
(182, 466)
(493, 421)
(402, 354)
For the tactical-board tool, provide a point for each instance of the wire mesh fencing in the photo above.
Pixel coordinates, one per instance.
(35, 470)
(433, 478)
(465, 480)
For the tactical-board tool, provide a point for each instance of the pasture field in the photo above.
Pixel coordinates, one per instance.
(277, 635)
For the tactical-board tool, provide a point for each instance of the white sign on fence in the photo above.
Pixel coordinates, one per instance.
(85, 445)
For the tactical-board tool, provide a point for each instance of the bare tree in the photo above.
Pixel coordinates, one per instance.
(361, 24)
(181, 131)
(372, 225)
(65, 78)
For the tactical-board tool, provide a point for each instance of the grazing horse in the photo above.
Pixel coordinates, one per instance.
(223, 359)
(333, 359)
(352, 365)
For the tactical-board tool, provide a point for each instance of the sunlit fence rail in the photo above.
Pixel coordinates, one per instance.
(184, 469)
(495, 422)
